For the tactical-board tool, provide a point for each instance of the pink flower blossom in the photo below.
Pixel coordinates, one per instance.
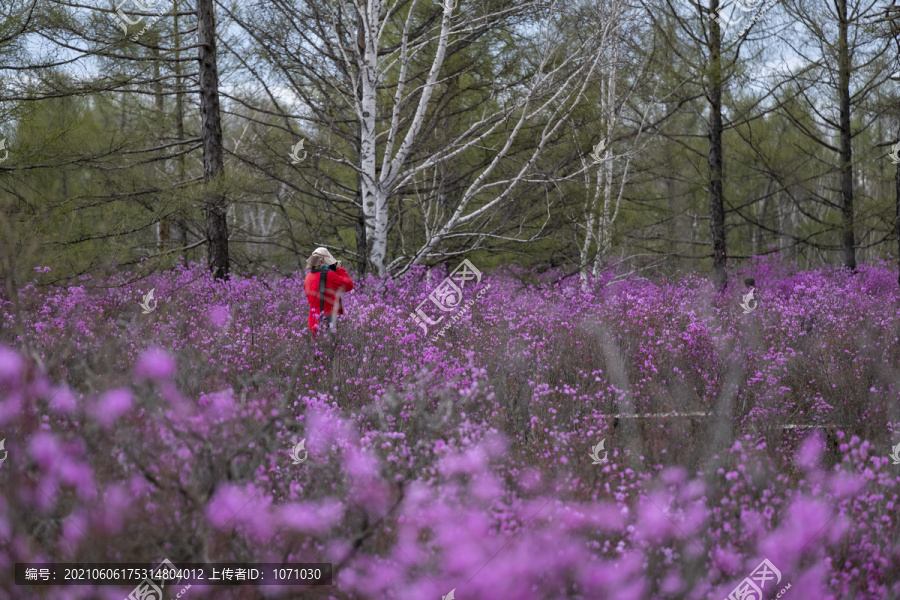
(11, 365)
(155, 364)
(111, 406)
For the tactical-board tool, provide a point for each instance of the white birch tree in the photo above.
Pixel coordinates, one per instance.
(376, 77)
(621, 25)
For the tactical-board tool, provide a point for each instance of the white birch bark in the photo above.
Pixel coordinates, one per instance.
(347, 49)
(605, 191)
(373, 199)
(376, 188)
(610, 114)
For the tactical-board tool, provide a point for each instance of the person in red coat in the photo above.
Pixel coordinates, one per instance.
(324, 284)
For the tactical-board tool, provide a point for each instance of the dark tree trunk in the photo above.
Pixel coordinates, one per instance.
(211, 132)
(848, 241)
(179, 115)
(895, 30)
(362, 262)
(716, 194)
(163, 234)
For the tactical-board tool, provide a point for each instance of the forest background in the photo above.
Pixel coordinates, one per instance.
(634, 134)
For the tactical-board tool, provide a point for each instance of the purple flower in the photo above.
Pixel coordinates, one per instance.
(310, 517)
(155, 364)
(80, 476)
(219, 315)
(810, 451)
(46, 450)
(11, 365)
(232, 506)
(112, 405)
(63, 401)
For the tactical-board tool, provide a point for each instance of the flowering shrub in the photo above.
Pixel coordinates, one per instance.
(462, 463)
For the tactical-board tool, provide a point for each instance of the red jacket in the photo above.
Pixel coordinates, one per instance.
(336, 284)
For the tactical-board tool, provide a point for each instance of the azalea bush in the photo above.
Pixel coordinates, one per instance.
(461, 463)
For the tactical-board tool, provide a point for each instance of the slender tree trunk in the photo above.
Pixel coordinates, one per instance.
(584, 251)
(793, 217)
(608, 102)
(162, 227)
(179, 114)
(590, 212)
(894, 31)
(692, 216)
(211, 133)
(759, 233)
(675, 219)
(179, 87)
(374, 199)
(848, 241)
(897, 197)
(362, 245)
(716, 194)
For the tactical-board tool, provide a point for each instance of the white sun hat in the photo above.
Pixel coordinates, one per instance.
(324, 253)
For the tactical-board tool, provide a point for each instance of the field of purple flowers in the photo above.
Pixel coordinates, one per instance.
(462, 463)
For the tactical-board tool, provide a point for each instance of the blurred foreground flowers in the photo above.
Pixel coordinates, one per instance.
(461, 463)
